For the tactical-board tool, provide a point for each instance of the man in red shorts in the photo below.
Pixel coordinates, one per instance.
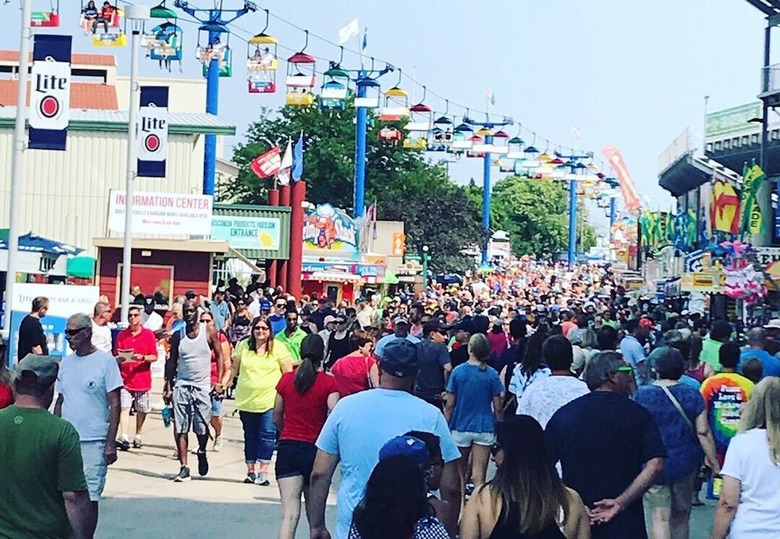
(136, 349)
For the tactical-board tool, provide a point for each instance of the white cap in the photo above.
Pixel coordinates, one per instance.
(773, 324)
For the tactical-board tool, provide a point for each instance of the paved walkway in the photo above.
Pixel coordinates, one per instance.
(141, 500)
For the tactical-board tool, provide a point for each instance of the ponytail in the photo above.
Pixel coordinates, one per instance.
(305, 375)
(312, 354)
(479, 349)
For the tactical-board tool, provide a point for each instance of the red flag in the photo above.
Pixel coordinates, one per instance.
(267, 164)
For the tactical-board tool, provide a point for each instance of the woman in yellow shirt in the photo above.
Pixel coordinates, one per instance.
(261, 365)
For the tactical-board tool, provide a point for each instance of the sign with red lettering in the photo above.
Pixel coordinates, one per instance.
(50, 93)
(162, 214)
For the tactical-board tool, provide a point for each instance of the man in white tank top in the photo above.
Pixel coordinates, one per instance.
(188, 382)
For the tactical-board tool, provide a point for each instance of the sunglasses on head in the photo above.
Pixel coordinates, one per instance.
(626, 369)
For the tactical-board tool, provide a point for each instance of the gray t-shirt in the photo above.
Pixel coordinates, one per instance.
(84, 383)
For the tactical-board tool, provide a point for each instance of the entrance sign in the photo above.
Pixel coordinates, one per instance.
(171, 214)
(50, 93)
(247, 232)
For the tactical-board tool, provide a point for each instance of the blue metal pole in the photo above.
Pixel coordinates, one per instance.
(212, 107)
(572, 222)
(612, 214)
(486, 202)
(359, 193)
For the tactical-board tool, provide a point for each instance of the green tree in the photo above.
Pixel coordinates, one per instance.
(536, 215)
(436, 212)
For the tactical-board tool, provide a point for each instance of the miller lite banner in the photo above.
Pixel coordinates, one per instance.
(153, 131)
(50, 95)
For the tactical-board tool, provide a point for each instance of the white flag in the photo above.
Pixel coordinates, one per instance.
(349, 31)
(287, 162)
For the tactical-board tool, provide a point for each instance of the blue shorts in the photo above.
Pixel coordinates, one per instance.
(216, 406)
(95, 467)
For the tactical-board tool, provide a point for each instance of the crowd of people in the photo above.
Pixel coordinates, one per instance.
(593, 406)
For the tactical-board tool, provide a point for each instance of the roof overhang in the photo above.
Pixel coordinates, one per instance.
(190, 246)
(689, 172)
(180, 123)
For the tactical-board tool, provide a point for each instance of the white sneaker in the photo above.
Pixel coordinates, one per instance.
(217, 444)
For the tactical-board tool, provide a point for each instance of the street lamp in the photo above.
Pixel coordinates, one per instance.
(137, 15)
(425, 269)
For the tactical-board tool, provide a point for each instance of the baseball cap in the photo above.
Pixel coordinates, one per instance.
(399, 359)
(434, 326)
(44, 368)
(406, 446)
(773, 324)
(401, 319)
(265, 305)
(189, 294)
(328, 319)
(148, 300)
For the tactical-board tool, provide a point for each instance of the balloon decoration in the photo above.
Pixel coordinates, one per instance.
(743, 282)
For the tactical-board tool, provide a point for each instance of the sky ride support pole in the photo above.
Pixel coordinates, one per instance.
(16, 162)
(359, 193)
(212, 107)
(612, 214)
(486, 202)
(572, 222)
(136, 14)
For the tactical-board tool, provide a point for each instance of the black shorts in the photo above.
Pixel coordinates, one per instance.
(295, 458)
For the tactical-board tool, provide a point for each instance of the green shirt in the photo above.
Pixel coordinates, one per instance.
(710, 353)
(41, 458)
(293, 343)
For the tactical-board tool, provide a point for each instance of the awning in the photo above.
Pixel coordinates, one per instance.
(33, 243)
(335, 277)
(81, 266)
(390, 277)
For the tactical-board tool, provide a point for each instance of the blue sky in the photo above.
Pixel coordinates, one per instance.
(631, 74)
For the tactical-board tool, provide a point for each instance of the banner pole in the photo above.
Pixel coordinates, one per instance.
(16, 162)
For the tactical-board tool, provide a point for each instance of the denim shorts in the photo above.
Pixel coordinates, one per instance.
(95, 467)
(216, 406)
(295, 458)
(467, 439)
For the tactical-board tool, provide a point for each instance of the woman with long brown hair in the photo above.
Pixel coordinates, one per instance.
(526, 499)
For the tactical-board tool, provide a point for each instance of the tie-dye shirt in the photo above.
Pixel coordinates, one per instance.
(725, 394)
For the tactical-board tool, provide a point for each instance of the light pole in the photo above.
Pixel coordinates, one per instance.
(16, 162)
(137, 15)
(425, 270)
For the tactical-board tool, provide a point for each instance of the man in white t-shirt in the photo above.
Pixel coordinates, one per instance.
(361, 425)
(547, 394)
(88, 385)
(150, 319)
(101, 332)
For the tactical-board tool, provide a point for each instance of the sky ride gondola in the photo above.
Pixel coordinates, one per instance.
(300, 77)
(106, 24)
(262, 61)
(217, 50)
(335, 90)
(47, 19)
(163, 43)
(419, 125)
(396, 103)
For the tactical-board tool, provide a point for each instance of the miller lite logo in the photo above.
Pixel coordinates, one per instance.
(153, 133)
(50, 99)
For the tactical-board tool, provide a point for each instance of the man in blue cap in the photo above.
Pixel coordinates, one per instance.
(43, 492)
(361, 424)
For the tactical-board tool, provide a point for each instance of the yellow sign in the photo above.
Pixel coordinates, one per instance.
(399, 243)
(703, 281)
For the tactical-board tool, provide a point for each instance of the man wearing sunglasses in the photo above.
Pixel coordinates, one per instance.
(89, 384)
(136, 350)
(435, 365)
(277, 319)
(609, 447)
